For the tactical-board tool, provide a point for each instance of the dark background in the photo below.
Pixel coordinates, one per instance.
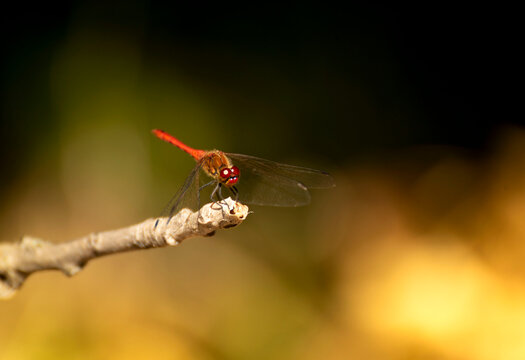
(337, 81)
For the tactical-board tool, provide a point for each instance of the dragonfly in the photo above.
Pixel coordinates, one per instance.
(249, 179)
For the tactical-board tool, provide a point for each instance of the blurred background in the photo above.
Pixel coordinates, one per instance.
(416, 254)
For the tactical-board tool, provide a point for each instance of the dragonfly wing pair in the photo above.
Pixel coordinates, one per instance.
(268, 183)
(262, 182)
(187, 196)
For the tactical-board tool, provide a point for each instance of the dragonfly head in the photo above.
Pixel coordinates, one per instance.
(230, 176)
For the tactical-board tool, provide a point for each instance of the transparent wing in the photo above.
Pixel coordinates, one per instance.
(265, 182)
(187, 196)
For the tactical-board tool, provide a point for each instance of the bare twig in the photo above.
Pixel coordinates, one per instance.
(19, 260)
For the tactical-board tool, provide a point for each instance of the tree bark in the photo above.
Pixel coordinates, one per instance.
(21, 259)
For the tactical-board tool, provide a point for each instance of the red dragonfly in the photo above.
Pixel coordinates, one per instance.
(249, 179)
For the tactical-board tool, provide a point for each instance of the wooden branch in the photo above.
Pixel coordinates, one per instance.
(19, 260)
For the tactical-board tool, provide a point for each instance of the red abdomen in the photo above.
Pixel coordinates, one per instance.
(197, 154)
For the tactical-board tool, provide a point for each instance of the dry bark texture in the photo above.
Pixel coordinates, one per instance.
(21, 259)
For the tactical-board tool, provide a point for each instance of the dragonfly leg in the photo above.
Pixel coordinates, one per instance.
(214, 192)
(206, 185)
(234, 192)
(220, 193)
(217, 187)
(199, 192)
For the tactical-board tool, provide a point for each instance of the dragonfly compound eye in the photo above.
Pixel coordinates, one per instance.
(235, 171)
(225, 173)
(232, 181)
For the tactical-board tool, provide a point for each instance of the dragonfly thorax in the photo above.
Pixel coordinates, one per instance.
(218, 166)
